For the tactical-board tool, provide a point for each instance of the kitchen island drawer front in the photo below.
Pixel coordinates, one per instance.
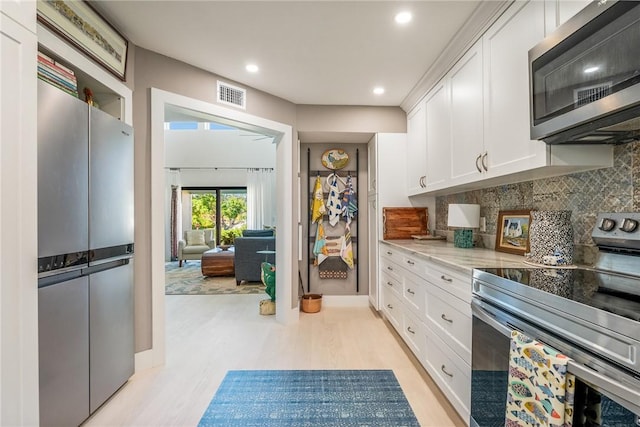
(392, 308)
(450, 319)
(450, 372)
(454, 282)
(413, 293)
(391, 283)
(413, 332)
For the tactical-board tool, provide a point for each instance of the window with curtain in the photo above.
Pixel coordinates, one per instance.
(261, 198)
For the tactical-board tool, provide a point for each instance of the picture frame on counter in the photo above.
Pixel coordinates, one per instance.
(84, 28)
(512, 234)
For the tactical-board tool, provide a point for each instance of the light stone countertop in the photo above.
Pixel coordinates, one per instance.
(462, 260)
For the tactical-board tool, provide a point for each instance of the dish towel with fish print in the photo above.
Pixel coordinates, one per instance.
(540, 391)
(334, 205)
(317, 206)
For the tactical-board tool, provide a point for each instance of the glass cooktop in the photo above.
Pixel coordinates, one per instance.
(610, 292)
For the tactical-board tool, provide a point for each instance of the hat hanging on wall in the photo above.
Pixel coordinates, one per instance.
(335, 158)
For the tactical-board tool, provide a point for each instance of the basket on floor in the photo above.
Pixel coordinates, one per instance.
(311, 303)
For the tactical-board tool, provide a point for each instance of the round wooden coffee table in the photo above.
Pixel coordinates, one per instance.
(216, 262)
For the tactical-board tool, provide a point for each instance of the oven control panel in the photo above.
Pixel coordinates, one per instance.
(617, 229)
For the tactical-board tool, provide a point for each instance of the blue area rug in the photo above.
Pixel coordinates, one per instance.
(341, 398)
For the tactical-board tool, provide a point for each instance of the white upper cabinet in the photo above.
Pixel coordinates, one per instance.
(416, 150)
(467, 139)
(438, 134)
(567, 8)
(21, 11)
(557, 12)
(472, 129)
(508, 146)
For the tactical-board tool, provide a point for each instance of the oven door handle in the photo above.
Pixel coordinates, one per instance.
(480, 311)
(608, 383)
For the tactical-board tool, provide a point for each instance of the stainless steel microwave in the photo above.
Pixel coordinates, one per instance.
(584, 78)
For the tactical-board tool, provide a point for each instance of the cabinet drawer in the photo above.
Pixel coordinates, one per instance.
(413, 332)
(450, 318)
(450, 372)
(391, 269)
(413, 293)
(453, 282)
(414, 265)
(390, 253)
(392, 308)
(391, 283)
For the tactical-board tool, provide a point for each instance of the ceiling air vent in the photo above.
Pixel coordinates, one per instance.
(232, 95)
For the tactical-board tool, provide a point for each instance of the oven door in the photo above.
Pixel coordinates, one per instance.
(619, 392)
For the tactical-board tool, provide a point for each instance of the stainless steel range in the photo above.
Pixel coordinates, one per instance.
(590, 314)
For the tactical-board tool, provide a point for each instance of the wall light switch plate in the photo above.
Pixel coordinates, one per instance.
(483, 224)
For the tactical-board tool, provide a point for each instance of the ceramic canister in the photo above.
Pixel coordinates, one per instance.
(551, 238)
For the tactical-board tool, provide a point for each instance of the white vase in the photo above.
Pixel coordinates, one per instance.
(551, 238)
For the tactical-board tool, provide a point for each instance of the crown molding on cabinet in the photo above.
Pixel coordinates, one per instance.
(481, 19)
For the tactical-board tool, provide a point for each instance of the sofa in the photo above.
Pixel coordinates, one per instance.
(247, 259)
(194, 244)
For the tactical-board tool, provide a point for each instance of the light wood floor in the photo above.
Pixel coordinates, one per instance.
(208, 335)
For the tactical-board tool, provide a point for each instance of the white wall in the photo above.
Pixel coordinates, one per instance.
(216, 148)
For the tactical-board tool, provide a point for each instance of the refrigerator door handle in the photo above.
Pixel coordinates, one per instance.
(108, 264)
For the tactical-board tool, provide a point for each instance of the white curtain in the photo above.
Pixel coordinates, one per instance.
(261, 198)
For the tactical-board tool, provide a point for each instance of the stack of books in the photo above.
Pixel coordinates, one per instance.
(57, 74)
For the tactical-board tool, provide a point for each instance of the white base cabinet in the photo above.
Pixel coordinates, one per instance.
(429, 306)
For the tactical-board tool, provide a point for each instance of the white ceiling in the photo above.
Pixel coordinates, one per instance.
(309, 52)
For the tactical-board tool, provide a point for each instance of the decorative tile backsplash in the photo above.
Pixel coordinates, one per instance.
(615, 189)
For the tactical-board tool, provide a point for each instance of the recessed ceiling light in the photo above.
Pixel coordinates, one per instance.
(403, 17)
(591, 69)
(378, 90)
(252, 68)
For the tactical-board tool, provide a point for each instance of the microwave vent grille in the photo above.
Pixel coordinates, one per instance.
(589, 94)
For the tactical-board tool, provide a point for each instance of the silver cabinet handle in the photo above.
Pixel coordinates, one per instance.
(409, 291)
(484, 164)
(389, 283)
(443, 369)
(477, 165)
(411, 331)
(410, 262)
(446, 279)
(443, 317)
(389, 306)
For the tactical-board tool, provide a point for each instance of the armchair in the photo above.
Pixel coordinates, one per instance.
(247, 261)
(194, 244)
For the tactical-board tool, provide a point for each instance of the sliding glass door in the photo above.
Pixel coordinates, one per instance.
(223, 209)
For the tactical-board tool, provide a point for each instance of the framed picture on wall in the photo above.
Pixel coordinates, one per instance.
(513, 231)
(83, 27)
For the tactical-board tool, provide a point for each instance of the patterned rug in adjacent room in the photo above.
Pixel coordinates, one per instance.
(340, 398)
(188, 280)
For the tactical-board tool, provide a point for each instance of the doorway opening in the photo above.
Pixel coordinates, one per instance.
(286, 243)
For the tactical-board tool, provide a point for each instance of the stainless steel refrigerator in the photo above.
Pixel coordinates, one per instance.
(85, 256)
